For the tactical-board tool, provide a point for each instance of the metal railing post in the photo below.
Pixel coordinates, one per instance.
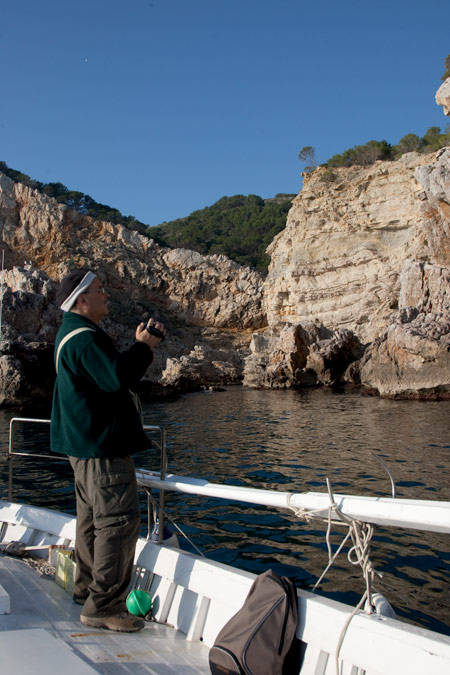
(147, 427)
(10, 463)
(162, 496)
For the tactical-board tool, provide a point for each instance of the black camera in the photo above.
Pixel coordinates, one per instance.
(156, 332)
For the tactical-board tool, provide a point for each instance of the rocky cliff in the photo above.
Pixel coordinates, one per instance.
(358, 284)
(207, 302)
(357, 289)
(347, 237)
(443, 96)
(360, 247)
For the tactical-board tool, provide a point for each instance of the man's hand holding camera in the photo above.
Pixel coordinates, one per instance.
(151, 332)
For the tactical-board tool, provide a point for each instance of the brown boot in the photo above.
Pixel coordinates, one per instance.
(124, 622)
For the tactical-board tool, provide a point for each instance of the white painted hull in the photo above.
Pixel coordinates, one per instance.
(197, 596)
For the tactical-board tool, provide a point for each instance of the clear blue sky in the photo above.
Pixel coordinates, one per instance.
(161, 107)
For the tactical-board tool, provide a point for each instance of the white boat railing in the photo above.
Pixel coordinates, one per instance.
(414, 514)
(54, 456)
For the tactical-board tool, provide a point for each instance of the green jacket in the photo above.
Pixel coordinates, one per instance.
(93, 414)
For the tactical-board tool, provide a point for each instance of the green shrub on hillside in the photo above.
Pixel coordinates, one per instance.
(82, 203)
(365, 155)
(239, 227)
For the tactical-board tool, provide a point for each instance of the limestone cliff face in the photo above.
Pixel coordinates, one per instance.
(443, 96)
(347, 236)
(202, 290)
(364, 261)
(206, 302)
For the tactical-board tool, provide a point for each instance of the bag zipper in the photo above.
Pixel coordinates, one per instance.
(232, 657)
(266, 616)
(286, 611)
(286, 615)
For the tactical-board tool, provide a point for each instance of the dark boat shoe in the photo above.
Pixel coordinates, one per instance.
(123, 622)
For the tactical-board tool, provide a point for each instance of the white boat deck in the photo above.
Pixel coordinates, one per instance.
(192, 598)
(42, 611)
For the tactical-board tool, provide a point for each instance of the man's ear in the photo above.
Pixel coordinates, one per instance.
(80, 303)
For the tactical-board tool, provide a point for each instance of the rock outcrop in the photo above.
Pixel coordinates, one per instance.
(200, 290)
(339, 259)
(443, 96)
(202, 300)
(304, 355)
(203, 364)
(29, 324)
(411, 358)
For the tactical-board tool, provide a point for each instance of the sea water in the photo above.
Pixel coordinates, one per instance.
(291, 441)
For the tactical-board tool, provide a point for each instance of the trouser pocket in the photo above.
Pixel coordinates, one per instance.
(115, 493)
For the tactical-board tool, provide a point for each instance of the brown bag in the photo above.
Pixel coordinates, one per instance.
(260, 638)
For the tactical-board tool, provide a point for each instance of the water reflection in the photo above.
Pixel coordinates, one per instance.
(294, 441)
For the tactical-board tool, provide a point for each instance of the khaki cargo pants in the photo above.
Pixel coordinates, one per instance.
(108, 524)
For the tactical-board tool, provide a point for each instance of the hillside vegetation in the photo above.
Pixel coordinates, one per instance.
(363, 155)
(239, 227)
(372, 151)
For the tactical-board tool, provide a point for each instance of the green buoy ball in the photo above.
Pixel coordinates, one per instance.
(139, 602)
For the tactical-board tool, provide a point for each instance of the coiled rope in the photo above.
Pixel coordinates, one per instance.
(18, 549)
(359, 554)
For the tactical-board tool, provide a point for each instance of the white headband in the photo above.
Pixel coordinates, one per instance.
(78, 290)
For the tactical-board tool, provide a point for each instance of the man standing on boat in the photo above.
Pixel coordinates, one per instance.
(96, 423)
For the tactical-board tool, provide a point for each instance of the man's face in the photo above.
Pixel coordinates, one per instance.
(96, 299)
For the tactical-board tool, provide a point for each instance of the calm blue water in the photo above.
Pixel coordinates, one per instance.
(291, 440)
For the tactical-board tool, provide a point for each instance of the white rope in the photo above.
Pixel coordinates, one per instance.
(359, 554)
(331, 557)
(307, 515)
